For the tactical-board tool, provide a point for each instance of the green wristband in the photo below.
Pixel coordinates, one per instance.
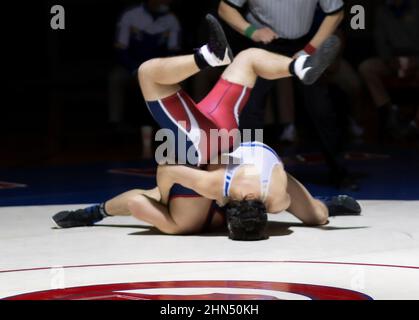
(250, 31)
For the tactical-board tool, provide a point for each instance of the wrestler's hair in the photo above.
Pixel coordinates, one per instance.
(246, 220)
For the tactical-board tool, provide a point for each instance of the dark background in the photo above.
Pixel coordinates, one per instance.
(55, 81)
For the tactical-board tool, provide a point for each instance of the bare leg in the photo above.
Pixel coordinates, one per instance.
(152, 212)
(372, 71)
(118, 206)
(175, 220)
(252, 63)
(145, 205)
(160, 78)
(309, 210)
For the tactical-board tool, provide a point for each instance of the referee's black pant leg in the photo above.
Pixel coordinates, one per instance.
(253, 114)
(325, 119)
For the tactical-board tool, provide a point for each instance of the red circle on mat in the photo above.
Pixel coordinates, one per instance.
(113, 291)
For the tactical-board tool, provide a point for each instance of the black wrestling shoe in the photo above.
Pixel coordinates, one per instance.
(217, 43)
(78, 218)
(310, 68)
(342, 206)
(217, 51)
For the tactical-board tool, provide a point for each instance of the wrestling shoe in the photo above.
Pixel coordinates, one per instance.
(78, 218)
(342, 206)
(309, 68)
(217, 51)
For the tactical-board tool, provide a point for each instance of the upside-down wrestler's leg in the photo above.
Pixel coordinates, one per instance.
(160, 78)
(252, 63)
(117, 206)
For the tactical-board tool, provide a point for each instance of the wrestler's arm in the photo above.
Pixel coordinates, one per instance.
(278, 199)
(327, 28)
(154, 194)
(304, 206)
(207, 184)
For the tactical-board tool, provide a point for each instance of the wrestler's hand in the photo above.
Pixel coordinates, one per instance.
(264, 35)
(164, 182)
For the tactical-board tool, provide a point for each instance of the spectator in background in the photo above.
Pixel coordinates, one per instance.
(284, 27)
(396, 37)
(345, 77)
(144, 32)
(340, 74)
(412, 131)
(286, 99)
